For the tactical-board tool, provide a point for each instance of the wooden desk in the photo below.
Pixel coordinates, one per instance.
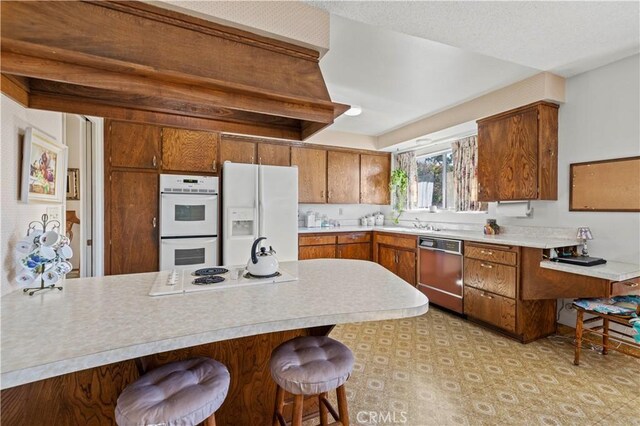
(551, 280)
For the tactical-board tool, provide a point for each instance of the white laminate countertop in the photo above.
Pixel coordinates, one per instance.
(98, 321)
(613, 271)
(505, 239)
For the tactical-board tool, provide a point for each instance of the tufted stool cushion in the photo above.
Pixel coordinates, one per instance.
(176, 394)
(311, 365)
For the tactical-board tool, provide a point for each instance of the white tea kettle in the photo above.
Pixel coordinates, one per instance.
(262, 263)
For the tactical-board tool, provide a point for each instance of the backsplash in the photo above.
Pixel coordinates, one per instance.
(345, 214)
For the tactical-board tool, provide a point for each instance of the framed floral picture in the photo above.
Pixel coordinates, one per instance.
(43, 168)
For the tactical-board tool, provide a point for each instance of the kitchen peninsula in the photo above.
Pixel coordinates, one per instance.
(67, 355)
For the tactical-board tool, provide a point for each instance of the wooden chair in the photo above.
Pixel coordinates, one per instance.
(611, 338)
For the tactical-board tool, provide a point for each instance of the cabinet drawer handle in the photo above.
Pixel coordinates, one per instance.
(154, 222)
(154, 161)
(630, 284)
(214, 166)
(489, 253)
(486, 295)
(484, 265)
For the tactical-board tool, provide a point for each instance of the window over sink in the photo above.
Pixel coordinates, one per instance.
(434, 177)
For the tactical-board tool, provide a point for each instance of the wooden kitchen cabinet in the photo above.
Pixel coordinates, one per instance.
(237, 150)
(492, 294)
(312, 174)
(133, 220)
(190, 151)
(271, 154)
(397, 253)
(132, 145)
(517, 154)
(343, 245)
(343, 177)
(375, 174)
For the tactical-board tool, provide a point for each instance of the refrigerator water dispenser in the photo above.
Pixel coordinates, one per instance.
(242, 221)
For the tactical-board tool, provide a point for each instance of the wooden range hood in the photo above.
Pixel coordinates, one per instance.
(134, 61)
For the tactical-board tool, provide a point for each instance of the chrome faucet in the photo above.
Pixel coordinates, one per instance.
(426, 226)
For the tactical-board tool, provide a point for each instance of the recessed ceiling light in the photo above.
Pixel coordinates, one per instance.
(354, 111)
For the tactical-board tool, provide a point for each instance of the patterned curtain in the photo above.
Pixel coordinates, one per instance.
(407, 162)
(465, 172)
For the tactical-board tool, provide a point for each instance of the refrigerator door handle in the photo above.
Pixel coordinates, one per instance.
(261, 230)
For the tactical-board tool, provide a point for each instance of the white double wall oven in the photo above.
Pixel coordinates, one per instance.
(188, 221)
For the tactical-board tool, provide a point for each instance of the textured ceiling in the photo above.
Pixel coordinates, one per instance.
(562, 37)
(398, 78)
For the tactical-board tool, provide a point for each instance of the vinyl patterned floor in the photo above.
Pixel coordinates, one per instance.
(438, 369)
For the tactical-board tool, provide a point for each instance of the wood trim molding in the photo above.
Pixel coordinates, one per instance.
(16, 88)
(239, 77)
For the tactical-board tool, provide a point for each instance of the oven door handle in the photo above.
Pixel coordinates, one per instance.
(187, 242)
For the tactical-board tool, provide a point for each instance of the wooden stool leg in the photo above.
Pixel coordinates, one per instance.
(324, 413)
(579, 326)
(343, 409)
(210, 421)
(605, 337)
(298, 405)
(279, 405)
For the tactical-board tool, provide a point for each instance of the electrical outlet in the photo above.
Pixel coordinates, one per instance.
(340, 211)
(53, 213)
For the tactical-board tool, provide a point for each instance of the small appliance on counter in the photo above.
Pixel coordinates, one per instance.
(262, 263)
(310, 220)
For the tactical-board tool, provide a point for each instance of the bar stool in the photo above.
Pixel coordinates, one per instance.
(623, 310)
(181, 393)
(311, 366)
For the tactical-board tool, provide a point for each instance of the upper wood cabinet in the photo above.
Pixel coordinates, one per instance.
(271, 154)
(189, 150)
(517, 154)
(375, 173)
(312, 174)
(133, 145)
(343, 177)
(237, 151)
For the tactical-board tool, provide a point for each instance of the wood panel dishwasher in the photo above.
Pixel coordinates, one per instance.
(441, 272)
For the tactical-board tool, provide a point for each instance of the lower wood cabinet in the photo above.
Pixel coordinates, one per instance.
(492, 293)
(317, 252)
(398, 254)
(133, 222)
(359, 251)
(354, 245)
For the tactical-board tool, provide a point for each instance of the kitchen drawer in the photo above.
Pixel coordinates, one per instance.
(492, 254)
(490, 308)
(488, 276)
(317, 252)
(354, 237)
(626, 287)
(397, 241)
(315, 240)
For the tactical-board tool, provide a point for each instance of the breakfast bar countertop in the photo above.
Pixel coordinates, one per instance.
(102, 320)
(612, 271)
(474, 236)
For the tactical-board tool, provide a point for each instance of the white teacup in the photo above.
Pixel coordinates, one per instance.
(25, 245)
(47, 252)
(26, 277)
(65, 251)
(49, 239)
(51, 276)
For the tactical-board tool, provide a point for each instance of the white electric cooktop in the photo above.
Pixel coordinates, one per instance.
(179, 281)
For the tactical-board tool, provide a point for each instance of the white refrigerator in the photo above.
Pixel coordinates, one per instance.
(259, 201)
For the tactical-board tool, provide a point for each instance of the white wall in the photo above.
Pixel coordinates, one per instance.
(14, 215)
(343, 139)
(347, 214)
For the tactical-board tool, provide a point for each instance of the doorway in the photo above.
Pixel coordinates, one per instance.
(84, 203)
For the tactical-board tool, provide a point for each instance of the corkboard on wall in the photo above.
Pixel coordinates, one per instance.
(606, 186)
